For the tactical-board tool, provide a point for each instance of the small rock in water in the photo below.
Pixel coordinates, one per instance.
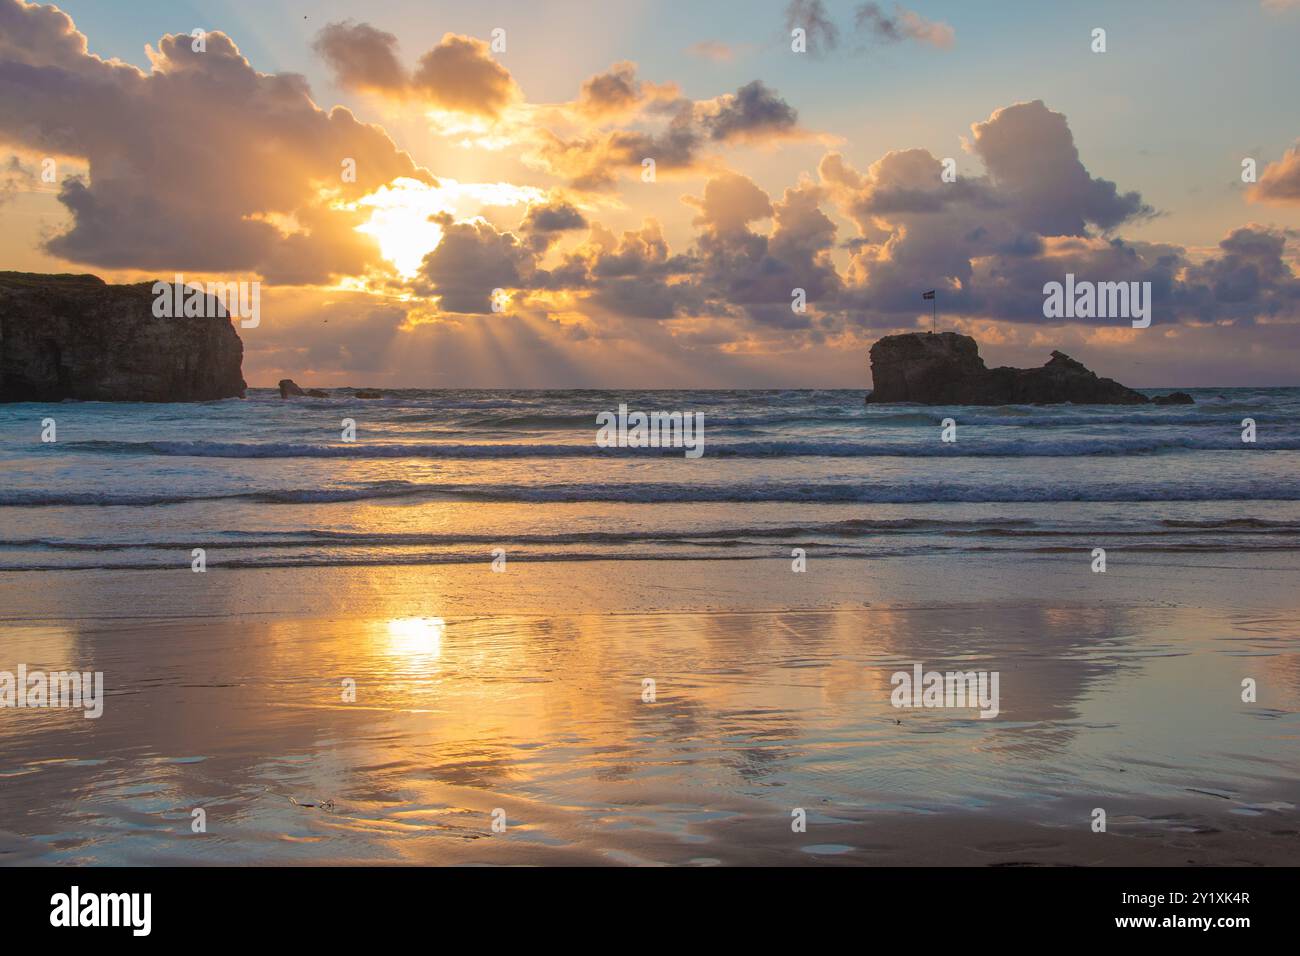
(290, 389)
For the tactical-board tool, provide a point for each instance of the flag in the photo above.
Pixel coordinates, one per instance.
(928, 295)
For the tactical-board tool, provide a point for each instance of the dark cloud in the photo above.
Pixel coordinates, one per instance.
(638, 276)
(14, 177)
(753, 111)
(821, 32)
(613, 92)
(544, 221)
(594, 161)
(555, 216)
(471, 261)
(1248, 278)
(901, 24)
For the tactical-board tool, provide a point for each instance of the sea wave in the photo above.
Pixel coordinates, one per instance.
(1037, 416)
(852, 529)
(970, 447)
(180, 560)
(682, 493)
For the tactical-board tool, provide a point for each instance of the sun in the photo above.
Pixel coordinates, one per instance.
(401, 222)
(402, 214)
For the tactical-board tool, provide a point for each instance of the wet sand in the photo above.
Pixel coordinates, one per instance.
(524, 692)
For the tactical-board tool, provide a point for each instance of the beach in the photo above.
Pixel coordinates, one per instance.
(357, 677)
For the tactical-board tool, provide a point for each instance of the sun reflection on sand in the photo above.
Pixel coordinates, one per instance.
(416, 637)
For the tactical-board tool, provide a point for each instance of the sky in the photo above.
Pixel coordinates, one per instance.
(626, 193)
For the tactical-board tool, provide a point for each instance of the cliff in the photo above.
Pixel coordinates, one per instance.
(74, 336)
(946, 369)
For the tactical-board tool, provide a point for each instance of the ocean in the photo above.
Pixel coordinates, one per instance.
(450, 476)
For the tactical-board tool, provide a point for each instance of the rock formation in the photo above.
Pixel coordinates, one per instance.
(74, 336)
(290, 389)
(946, 369)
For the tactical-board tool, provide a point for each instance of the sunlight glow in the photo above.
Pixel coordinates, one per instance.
(470, 132)
(400, 214)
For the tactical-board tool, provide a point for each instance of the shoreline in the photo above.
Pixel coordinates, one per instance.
(523, 691)
(952, 581)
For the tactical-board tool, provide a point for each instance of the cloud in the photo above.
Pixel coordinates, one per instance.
(903, 24)
(732, 271)
(179, 156)
(615, 92)
(990, 242)
(35, 35)
(543, 222)
(810, 15)
(555, 216)
(870, 19)
(753, 112)
(14, 177)
(362, 58)
(594, 162)
(635, 277)
(714, 50)
(1280, 181)
(1247, 278)
(459, 74)
(1030, 154)
(471, 261)
(744, 274)
(673, 131)
(730, 203)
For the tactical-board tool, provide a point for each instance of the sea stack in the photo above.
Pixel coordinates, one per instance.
(76, 337)
(946, 369)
